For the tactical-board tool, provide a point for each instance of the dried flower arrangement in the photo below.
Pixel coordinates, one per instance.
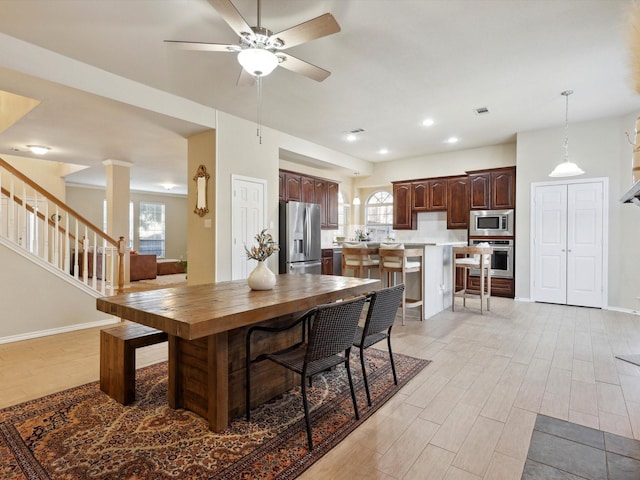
(266, 246)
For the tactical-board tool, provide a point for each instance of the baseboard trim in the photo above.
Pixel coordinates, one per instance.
(55, 331)
(623, 310)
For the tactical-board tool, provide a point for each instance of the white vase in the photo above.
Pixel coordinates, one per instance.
(261, 278)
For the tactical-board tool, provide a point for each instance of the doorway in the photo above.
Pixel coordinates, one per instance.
(569, 242)
(248, 205)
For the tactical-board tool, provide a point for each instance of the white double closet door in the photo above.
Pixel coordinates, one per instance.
(568, 243)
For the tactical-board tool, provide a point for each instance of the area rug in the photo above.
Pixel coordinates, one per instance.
(635, 359)
(82, 433)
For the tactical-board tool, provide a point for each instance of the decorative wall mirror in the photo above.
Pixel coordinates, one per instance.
(202, 180)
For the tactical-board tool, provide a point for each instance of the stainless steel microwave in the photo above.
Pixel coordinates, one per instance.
(491, 223)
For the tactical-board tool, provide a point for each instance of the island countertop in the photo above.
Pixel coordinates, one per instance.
(196, 311)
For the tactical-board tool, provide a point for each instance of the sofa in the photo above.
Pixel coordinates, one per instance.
(142, 266)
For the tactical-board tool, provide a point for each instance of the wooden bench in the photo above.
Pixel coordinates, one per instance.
(118, 358)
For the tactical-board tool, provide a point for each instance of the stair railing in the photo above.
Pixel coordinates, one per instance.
(39, 224)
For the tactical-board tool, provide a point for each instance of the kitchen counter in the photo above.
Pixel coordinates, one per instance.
(436, 277)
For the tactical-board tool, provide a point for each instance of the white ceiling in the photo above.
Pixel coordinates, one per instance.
(394, 63)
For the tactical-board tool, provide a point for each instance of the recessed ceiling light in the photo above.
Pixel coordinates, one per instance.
(38, 149)
(427, 122)
(351, 137)
(452, 140)
(167, 186)
(383, 151)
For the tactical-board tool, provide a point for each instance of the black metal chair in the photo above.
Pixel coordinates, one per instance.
(332, 329)
(382, 311)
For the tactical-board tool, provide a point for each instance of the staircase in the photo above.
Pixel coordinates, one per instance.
(40, 227)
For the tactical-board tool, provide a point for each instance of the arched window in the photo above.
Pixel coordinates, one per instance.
(378, 215)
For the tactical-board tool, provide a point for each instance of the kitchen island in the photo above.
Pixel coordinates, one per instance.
(436, 276)
(206, 325)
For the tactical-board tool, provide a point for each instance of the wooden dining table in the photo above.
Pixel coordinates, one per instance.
(206, 326)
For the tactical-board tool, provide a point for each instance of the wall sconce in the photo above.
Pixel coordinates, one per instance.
(202, 179)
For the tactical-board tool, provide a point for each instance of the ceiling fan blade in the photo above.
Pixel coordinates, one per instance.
(304, 68)
(203, 46)
(310, 30)
(231, 15)
(245, 79)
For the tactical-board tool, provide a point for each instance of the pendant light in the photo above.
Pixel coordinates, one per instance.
(356, 198)
(566, 168)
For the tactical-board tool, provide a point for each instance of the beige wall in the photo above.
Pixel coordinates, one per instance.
(201, 234)
(88, 202)
(441, 164)
(49, 175)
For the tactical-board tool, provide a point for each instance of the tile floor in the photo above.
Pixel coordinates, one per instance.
(565, 450)
(469, 415)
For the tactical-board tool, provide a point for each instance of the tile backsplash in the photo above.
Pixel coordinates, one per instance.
(432, 227)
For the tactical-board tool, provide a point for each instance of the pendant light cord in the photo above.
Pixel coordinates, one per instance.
(566, 94)
(259, 127)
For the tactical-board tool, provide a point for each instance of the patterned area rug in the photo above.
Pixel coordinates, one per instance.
(81, 433)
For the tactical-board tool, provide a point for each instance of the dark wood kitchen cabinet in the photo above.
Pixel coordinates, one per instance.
(292, 188)
(332, 205)
(308, 190)
(295, 187)
(327, 261)
(492, 189)
(404, 217)
(458, 202)
(429, 195)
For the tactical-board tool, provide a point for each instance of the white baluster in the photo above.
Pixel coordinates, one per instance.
(12, 210)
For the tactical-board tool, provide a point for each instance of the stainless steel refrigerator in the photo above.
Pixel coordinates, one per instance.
(300, 238)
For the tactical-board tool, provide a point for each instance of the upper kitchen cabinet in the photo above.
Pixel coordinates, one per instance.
(308, 190)
(458, 202)
(292, 187)
(404, 217)
(304, 188)
(332, 205)
(281, 186)
(492, 189)
(429, 195)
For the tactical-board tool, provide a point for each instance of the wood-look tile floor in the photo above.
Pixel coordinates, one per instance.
(469, 415)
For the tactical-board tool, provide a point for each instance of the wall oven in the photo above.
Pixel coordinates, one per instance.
(491, 223)
(501, 259)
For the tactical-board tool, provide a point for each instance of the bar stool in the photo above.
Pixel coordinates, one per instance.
(472, 257)
(357, 257)
(394, 258)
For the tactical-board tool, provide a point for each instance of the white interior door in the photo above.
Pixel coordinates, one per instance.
(568, 244)
(248, 218)
(584, 244)
(550, 243)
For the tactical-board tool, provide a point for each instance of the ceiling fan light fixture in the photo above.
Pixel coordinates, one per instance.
(258, 61)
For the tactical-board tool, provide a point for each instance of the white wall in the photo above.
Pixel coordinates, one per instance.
(240, 153)
(35, 300)
(601, 149)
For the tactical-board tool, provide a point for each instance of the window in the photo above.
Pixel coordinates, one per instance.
(378, 215)
(151, 232)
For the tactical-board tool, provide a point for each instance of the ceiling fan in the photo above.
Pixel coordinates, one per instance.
(259, 50)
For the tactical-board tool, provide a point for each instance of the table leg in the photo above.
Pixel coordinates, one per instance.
(198, 377)
(218, 385)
